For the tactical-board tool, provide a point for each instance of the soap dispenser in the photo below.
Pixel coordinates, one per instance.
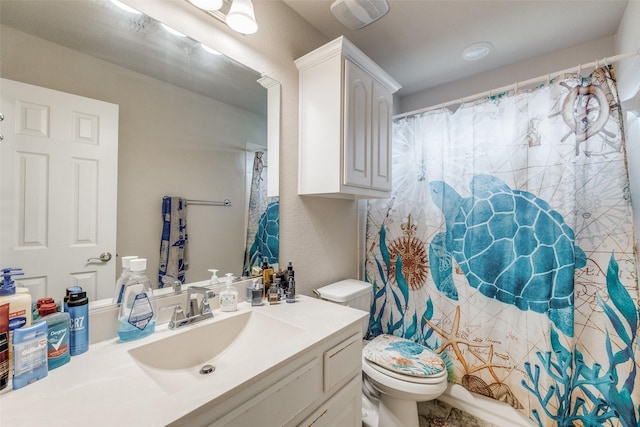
(229, 295)
(214, 277)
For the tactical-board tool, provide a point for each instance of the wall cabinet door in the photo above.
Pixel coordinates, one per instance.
(357, 123)
(368, 109)
(381, 116)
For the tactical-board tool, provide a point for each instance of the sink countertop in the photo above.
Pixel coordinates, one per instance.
(105, 386)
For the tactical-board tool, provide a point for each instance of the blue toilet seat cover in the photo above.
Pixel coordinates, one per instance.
(403, 356)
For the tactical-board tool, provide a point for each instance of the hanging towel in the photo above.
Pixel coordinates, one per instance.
(173, 244)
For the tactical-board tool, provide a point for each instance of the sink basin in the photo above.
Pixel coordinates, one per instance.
(233, 346)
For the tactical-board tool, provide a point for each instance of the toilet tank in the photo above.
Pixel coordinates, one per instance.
(352, 293)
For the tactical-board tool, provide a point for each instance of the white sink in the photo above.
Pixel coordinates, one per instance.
(232, 346)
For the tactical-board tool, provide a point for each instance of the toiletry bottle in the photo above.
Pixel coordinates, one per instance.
(229, 295)
(249, 290)
(257, 293)
(70, 290)
(58, 325)
(29, 363)
(291, 287)
(124, 275)
(35, 308)
(4, 345)
(137, 314)
(78, 307)
(274, 291)
(20, 314)
(214, 277)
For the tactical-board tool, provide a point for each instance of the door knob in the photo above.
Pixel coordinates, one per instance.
(104, 257)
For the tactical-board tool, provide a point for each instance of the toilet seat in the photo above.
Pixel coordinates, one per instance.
(430, 379)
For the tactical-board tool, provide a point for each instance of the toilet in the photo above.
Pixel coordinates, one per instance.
(397, 373)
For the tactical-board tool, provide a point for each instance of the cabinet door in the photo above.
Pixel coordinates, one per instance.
(344, 409)
(357, 126)
(381, 115)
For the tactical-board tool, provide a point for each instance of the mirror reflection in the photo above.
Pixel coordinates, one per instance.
(184, 123)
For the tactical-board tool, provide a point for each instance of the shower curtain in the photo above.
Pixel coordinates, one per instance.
(263, 224)
(508, 247)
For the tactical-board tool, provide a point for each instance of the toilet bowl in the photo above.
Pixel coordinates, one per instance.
(400, 394)
(393, 381)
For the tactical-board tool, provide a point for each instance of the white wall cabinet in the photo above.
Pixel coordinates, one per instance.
(346, 107)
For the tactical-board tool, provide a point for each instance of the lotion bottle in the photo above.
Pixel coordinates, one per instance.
(229, 295)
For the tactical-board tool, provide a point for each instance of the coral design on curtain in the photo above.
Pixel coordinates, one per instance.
(508, 247)
(263, 224)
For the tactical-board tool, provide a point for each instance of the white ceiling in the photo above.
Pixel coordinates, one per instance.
(419, 42)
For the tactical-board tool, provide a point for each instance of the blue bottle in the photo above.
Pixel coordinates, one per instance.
(58, 331)
(78, 307)
(137, 316)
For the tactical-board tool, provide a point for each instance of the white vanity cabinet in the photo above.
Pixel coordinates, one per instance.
(346, 108)
(321, 387)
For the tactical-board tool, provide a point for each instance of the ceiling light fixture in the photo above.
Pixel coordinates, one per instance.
(207, 4)
(239, 15)
(476, 51)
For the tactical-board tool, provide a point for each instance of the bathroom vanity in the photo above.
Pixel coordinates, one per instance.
(273, 365)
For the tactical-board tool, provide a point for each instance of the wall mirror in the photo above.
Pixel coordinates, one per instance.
(188, 122)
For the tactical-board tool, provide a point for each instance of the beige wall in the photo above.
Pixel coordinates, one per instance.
(191, 147)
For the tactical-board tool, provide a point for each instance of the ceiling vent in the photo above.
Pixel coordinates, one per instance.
(355, 14)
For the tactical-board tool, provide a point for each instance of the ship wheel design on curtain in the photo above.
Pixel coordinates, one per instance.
(413, 254)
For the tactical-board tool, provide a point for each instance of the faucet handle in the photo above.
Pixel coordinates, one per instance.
(178, 317)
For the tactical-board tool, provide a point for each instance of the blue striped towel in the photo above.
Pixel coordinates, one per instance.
(173, 244)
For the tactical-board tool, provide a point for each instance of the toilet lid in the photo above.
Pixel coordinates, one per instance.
(403, 356)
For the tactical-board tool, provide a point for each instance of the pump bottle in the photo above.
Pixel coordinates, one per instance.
(229, 295)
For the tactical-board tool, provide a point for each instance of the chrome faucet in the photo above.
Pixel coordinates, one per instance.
(198, 307)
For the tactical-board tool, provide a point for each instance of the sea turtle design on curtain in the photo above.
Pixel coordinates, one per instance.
(511, 246)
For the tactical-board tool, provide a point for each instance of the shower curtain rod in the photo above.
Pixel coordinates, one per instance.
(225, 202)
(516, 85)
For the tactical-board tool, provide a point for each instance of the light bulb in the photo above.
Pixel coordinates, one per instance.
(241, 17)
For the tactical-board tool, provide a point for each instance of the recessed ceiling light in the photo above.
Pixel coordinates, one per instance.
(476, 51)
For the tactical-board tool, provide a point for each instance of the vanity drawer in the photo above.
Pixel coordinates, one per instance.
(341, 361)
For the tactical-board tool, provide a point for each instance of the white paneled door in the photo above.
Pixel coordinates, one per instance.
(58, 183)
